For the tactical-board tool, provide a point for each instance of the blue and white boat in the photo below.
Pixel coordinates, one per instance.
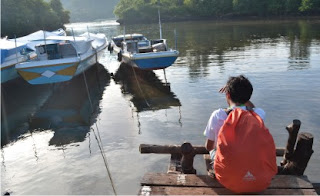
(62, 57)
(148, 54)
(13, 52)
(137, 51)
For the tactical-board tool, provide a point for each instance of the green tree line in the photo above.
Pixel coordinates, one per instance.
(146, 10)
(21, 17)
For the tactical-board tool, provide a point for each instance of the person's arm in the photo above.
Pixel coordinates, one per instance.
(209, 145)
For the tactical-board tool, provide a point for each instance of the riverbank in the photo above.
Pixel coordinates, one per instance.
(229, 17)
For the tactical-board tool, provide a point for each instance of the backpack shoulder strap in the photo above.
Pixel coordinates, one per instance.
(228, 110)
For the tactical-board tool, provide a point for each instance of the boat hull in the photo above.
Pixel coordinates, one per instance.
(59, 70)
(48, 72)
(152, 60)
(8, 73)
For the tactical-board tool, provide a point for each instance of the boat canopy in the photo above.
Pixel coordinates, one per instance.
(40, 35)
(9, 48)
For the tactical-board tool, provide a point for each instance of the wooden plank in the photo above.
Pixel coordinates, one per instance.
(316, 186)
(208, 163)
(169, 190)
(191, 180)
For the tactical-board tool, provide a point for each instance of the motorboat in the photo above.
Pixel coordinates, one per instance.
(13, 53)
(61, 58)
(21, 49)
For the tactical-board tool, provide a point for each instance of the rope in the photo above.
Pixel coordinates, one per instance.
(99, 141)
(134, 73)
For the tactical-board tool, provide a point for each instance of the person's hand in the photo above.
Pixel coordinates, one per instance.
(249, 104)
(222, 90)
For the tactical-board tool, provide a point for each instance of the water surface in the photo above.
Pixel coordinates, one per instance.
(56, 142)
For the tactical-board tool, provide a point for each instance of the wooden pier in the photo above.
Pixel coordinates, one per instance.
(181, 178)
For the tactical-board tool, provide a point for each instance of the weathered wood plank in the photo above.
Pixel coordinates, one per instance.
(191, 180)
(169, 190)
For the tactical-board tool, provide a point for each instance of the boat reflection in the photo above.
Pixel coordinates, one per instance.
(19, 100)
(147, 90)
(69, 111)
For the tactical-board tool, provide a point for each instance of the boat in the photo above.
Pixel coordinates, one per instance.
(15, 51)
(12, 53)
(61, 58)
(138, 51)
(142, 53)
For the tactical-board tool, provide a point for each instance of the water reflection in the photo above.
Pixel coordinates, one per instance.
(300, 44)
(68, 111)
(147, 90)
(217, 44)
(19, 100)
(65, 108)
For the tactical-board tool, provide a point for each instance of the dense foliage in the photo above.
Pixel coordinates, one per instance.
(89, 10)
(145, 10)
(21, 17)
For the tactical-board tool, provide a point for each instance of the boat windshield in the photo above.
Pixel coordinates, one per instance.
(144, 43)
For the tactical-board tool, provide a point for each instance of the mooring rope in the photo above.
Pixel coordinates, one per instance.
(99, 141)
(134, 73)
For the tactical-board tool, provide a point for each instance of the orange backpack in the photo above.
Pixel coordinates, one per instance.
(245, 159)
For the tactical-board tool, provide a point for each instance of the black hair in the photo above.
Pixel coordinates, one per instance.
(239, 88)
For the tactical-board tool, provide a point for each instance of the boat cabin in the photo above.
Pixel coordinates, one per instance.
(56, 51)
(144, 46)
(128, 37)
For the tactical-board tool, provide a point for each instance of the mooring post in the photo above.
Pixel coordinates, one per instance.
(302, 154)
(187, 158)
(293, 130)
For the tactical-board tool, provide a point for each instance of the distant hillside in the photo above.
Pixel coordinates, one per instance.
(89, 10)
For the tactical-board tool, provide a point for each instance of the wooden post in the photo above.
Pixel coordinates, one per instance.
(176, 149)
(293, 130)
(175, 164)
(187, 158)
(300, 157)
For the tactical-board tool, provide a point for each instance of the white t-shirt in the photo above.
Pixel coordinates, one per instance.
(217, 119)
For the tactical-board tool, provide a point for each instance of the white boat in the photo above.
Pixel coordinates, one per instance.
(137, 51)
(62, 57)
(14, 51)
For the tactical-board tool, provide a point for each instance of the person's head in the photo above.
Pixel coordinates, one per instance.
(238, 89)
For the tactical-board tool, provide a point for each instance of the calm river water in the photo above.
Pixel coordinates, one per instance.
(54, 142)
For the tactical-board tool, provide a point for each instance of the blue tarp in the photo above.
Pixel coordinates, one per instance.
(8, 48)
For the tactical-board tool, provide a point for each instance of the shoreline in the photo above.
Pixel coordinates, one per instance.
(223, 19)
